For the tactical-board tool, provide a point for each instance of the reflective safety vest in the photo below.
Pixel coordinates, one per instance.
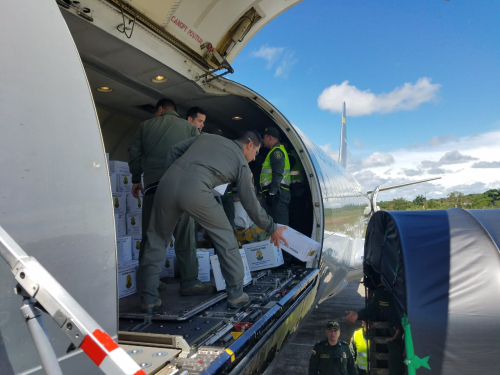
(266, 175)
(297, 172)
(359, 340)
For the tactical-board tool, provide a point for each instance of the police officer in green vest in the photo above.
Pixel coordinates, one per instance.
(332, 356)
(360, 348)
(275, 178)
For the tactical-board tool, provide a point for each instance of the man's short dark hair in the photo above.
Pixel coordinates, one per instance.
(193, 112)
(166, 104)
(250, 135)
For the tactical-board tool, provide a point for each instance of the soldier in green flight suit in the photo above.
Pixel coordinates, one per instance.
(332, 356)
(153, 142)
(275, 177)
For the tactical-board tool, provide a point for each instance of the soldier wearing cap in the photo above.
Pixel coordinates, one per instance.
(275, 178)
(332, 356)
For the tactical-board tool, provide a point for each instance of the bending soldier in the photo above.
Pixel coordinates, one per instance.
(195, 167)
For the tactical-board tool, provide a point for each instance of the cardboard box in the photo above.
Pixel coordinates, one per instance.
(210, 251)
(134, 224)
(134, 205)
(113, 181)
(124, 182)
(123, 250)
(263, 255)
(136, 246)
(169, 267)
(126, 279)
(120, 225)
(220, 283)
(116, 166)
(203, 265)
(299, 245)
(120, 203)
(219, 190)
(241, 218)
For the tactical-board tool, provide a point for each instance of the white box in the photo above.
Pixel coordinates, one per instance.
(203, 265)
(210, 251)
(116, 166)
(169, 267)
(241, 218)
(263, 255)
(136, 246)
(120, 203)
(299, 245)
(134, 205)
(126, 279)
(124, 182)
(113, 181)
(120, 225)
(220, 283)
(123, 250)
(219, 190)
(134, 224)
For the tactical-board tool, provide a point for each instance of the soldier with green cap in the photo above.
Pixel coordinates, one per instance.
(275, 178)
(332, 356)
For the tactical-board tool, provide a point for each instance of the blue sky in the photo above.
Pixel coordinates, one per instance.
(446, 52)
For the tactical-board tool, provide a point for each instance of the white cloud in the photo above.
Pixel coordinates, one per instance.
(486, 164)
(270, 54)
(378, 159)
(468, 162)
(362, 103)
(280, 57)
(334, 154)
(450, 157)
(286, 64)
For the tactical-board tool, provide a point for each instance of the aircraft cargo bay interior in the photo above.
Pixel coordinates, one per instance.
(125, 92)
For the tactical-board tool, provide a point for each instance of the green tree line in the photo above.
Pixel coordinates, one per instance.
(488, 199)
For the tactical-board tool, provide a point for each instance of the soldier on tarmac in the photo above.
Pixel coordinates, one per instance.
(275, 177)
(332, 356)
(153, 142)
(194, 167)
(383, 302)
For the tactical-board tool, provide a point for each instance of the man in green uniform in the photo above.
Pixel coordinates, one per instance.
(332, 356)
(383, 302)
(195, 167)
(153, 142)
(197, 117)
(275, 177)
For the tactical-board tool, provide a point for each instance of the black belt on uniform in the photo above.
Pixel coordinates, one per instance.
(151, 188)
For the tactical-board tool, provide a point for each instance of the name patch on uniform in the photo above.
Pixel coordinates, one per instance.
(324, 356)
(344, 355)
(383, 303)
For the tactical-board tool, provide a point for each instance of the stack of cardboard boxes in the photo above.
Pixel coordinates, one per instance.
(128, 212)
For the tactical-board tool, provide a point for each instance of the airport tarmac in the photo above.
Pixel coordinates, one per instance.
(294, 358)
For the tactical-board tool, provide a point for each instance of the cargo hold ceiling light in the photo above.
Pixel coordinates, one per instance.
(104, 89)
(159, 79)
(237, 118)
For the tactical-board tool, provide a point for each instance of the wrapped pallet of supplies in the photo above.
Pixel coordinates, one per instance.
(241, 218)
